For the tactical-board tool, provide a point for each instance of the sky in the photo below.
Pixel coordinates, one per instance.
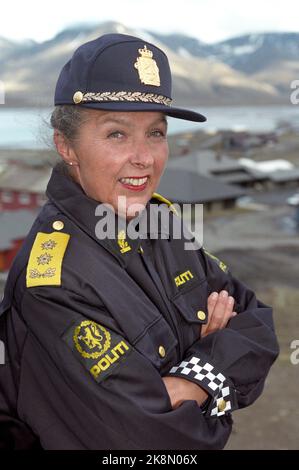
(207, 20)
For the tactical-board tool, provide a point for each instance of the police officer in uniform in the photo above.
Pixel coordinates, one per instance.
(122, 342)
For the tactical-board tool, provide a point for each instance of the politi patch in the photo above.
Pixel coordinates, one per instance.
(99, 349)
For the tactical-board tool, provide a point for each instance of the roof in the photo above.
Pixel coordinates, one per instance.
(14, 225)
(225, 169)
(228, 170)
(267, 165)
(185, 186)
(238, 177)
(284, 175)
(21, 177)
(205, 162)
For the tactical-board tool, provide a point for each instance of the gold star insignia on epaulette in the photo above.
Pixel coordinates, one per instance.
(44, 267)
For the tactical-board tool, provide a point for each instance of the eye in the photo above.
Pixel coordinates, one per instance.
(157, 133)
(115, 135)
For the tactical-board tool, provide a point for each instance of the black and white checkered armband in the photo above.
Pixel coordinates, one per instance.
(206, 375)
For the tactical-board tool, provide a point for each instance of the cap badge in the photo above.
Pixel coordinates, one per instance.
(147, 68)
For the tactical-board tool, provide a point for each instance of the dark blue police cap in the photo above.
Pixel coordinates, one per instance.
(118, 72)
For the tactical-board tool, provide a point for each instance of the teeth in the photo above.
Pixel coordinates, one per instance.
(134, 181)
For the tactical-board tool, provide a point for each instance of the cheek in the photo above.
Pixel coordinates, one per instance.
(161, 161)
(101, 166)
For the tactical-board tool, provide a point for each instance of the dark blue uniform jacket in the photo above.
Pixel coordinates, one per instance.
(98, 323)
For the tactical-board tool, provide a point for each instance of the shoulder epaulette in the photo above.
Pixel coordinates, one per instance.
(217, 260)
(45, 260)
(165, 201)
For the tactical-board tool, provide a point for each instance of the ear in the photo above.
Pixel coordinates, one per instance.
(64, 148)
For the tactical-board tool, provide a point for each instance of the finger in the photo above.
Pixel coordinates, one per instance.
(212, 300)
(219, 311)
(228, 311)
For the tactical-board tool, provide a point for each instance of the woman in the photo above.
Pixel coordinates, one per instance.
(118, 342)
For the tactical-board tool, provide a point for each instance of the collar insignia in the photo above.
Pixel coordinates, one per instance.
(122, 243)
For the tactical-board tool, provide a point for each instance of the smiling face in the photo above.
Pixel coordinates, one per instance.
(118, 154)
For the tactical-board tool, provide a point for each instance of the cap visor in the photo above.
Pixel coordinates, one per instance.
(168, 110)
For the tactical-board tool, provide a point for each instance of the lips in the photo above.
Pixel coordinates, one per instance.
(134, 183)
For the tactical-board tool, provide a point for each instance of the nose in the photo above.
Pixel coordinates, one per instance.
(141, 154)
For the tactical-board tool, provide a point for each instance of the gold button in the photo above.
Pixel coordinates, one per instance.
(162, 351)
(78, 97)
(58, 225)
(201, 315)
(140, 249)
(221, 405)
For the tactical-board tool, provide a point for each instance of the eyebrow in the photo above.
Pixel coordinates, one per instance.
(124, 122)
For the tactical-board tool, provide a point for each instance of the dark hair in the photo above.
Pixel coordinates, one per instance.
(67, 119)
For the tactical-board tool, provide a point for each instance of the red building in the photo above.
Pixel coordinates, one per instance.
(22, 192)
(14, 226)
(22, 186)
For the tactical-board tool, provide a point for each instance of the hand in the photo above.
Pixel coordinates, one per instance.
(180, 390)
(220, 310)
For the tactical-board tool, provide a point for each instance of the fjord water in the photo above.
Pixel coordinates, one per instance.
(27, 127)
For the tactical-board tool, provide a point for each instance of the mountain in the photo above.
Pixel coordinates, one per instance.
(251, 69)
(185, 45)
(249, 53)
(266, 58)
(253, 52)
